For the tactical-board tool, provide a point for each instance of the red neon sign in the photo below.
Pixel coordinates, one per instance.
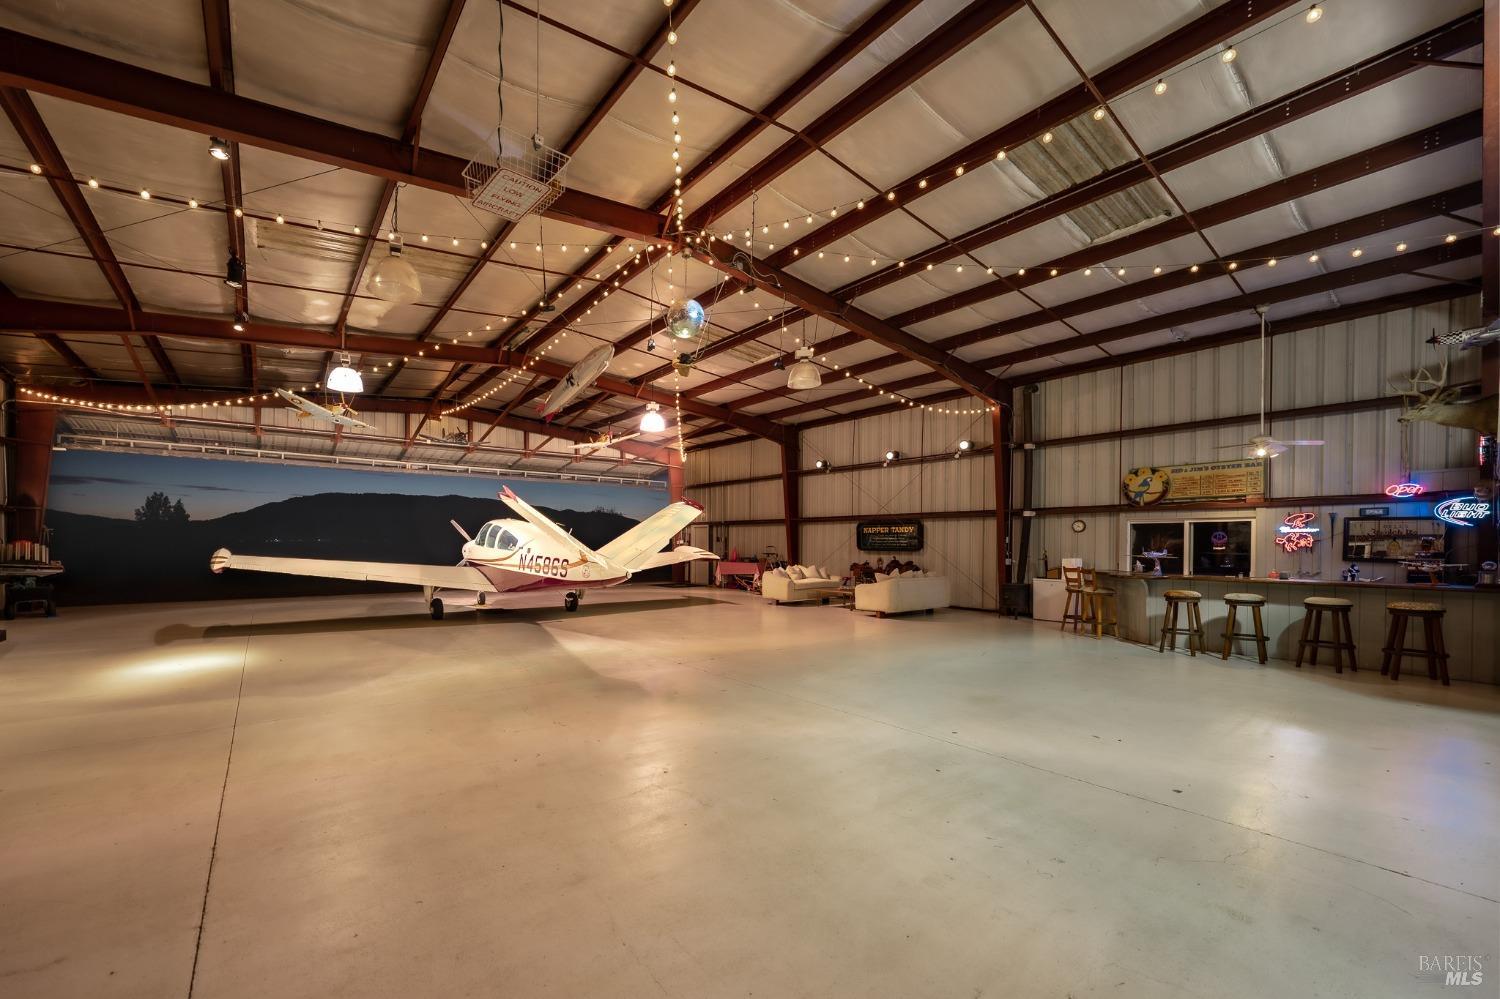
(1295, 533)
(1403, 490)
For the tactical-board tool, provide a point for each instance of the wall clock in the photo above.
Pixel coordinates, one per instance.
(1079, 527)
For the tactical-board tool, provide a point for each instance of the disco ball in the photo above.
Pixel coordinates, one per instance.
(686, 319)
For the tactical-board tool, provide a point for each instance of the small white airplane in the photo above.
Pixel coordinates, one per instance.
(339, 413)
(604, 440)
(510, 556)
(579, 377)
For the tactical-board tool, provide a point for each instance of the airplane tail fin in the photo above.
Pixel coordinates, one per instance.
(638, 547)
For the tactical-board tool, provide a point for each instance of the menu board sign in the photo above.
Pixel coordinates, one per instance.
(1208, 480)
(889, 535)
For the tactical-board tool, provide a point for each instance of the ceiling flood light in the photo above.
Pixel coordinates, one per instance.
(345, 378)
(652, 422)
(218, 148)
(804, 374)
(234, 272)
(240, 319)
(393, 279)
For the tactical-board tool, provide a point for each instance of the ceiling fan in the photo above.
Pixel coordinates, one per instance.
(1263, 445)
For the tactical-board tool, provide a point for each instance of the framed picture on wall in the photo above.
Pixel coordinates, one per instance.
(1393, 539)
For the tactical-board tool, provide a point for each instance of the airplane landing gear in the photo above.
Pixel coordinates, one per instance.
(570, 600)
(437, 609)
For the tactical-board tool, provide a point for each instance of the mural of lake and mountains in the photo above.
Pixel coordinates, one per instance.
(131, 528)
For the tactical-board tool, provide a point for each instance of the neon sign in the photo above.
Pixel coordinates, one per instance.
(1295, 533)
(1463, 511)
(1403, 490)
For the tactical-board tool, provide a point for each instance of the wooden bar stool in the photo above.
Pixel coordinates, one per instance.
(1255, 602)
(1338, 614)
(1075, 601)
(1100, 599)
(1431, 616)
(1194, 629)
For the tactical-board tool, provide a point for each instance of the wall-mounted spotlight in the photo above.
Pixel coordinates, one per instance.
(234, 272)
(822, 465)
(218, 148)
(240, 319)
(891, 456)
(964, 446)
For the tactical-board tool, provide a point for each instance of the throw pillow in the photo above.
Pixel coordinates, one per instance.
(778, 571)
(796, 572)
(881, 577)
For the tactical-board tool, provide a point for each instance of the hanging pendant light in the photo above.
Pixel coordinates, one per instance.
(345, 378)
(652, 422)
(393, 279)
(804, 374)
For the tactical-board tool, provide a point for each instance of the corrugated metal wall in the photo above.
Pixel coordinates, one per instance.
(1346, 362)
(738, 502)
(963, 549)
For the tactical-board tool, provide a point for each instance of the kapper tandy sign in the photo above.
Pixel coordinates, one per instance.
(889, 535)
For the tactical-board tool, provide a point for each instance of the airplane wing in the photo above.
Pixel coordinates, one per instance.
(448, 577)
(682, 553)
(637, 546)
(536, 519)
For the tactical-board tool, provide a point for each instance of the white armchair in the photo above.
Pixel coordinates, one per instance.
(902, 594)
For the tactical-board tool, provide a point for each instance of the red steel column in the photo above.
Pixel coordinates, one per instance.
(1000, 454)
(791, 493)
(674, 495)
(1488, 535)
(35, 427)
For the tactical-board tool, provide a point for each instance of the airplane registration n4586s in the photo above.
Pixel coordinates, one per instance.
(510, 556)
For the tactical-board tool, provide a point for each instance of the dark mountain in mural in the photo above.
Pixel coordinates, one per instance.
(111, 560)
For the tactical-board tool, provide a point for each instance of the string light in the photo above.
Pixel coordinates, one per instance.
(38, 396)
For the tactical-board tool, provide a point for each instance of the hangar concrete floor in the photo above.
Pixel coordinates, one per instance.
(683, 793)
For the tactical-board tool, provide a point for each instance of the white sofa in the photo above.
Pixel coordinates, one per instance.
(902, 594)
(783, 589)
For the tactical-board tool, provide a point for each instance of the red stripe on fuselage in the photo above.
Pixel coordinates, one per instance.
(511, 581)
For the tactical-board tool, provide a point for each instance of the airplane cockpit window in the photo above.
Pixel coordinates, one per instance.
(506, 542)
(486, 535)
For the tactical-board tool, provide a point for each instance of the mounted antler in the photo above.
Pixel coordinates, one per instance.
(1438, 387)
(1440, 404)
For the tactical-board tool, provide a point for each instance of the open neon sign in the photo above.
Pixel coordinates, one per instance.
(1463, 511)
(1403, 490)
(1295, 532)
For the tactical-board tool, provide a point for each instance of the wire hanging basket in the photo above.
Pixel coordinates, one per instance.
(513, 175)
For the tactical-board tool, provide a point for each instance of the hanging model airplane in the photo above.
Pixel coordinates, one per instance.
(579, 377)
(338, 413)
(604, 440)
(510, 556)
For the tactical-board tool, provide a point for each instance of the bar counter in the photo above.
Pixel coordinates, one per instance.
(1471, 627)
